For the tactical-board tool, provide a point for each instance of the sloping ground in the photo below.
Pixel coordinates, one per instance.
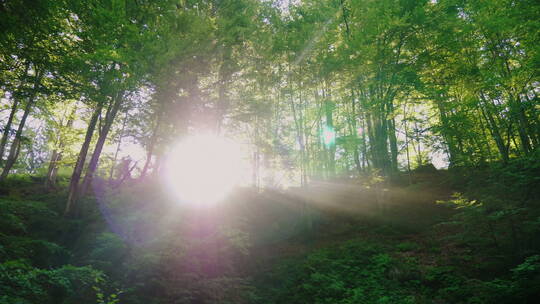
(391, 244)
(339, 242)
(358, 244)
(327, 214)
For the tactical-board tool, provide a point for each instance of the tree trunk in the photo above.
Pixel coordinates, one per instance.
(448, 138)
(7, 129)
(331, 145)
(152, 144)
(225, 73)
(371, 139)
(393, 144)
(92, 166)
(494, 130)
(534, 123)
(111, 173)
(409, 172)
(353, 132)
(522, 127)
(392, 139)
(379, 145)
(405, 129)
(56, 156)
(300, 138)
(79, 165)
(365, 161)
(418, 150)
(15, 145)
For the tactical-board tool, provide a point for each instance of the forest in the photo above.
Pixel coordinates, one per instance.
(269, 151)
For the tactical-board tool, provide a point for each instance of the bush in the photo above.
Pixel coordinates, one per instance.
(356, 272)
(21, 283)
(23, 226)
(496, 226)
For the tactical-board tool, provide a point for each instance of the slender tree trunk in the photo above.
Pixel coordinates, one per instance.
(331, 145)
(365, 162)
(517, 111)
(115, 159)
(300, 138)
(7, 129)
(15, 145)
(494, 130)
(407, 142)
(446, 133)
(225, 73)
(419, 149)
(393, 144)
(371, 138)
(79, 165)
(485, 136)
(56, 157)
(54, 174)
(157, 164)
(256, 169)
(92, 166)
(392, 139)
(522, 125)
(534, 123)
(152, 144)
(353, 132)
(379, 144)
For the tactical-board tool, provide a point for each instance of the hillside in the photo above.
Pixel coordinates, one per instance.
(340, 242)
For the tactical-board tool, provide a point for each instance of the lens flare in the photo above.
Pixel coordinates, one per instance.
(328, 136)
(203, 169)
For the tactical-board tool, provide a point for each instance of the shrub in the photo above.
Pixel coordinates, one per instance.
(21, 283)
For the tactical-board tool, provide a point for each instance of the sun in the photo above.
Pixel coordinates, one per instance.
(202, 169)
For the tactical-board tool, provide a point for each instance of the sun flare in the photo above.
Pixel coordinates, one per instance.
(204, 168)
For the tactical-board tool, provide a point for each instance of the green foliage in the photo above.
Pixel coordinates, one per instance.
(102, 298)
(355, 272)
(506, 214)
(407, 246)
(108, 252)
(501, 225)
(22, 283)
(475, 261)
(24, 226)
(520, 287)
(526, 277)
(358, 272)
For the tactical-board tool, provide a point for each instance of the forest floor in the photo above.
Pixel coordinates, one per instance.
(336, 212)
(341, 242)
